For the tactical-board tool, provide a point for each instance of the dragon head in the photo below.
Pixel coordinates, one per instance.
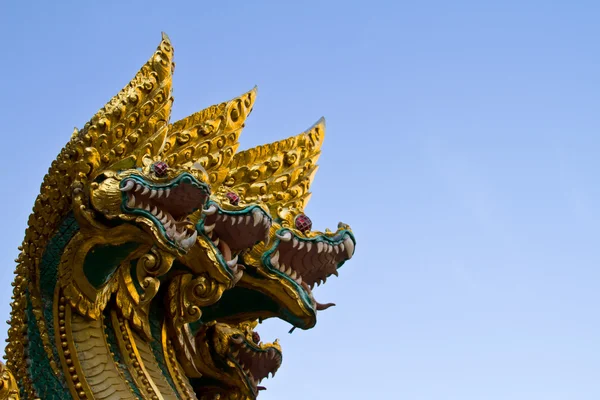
(232, 226)
(156, 198)
(233, 361)
(280, 273)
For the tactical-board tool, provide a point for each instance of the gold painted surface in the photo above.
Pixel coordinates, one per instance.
(8, 385)
(124, 139)
(278, 174)
(132, 358)
(97, 364)
(151, 365)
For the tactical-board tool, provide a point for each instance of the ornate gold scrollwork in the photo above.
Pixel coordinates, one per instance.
(8, 385)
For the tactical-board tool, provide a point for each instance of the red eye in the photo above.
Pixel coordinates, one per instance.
(160, 168)
(303, 223)
(255, 337)
(234, 199)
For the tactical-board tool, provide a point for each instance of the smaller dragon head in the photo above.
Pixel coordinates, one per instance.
(156, 198)
(233, 361)
(232, 226)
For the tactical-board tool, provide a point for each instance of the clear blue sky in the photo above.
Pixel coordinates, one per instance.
(462, 147)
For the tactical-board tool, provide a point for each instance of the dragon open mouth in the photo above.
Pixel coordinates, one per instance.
(310, 262)
(254, 362)
(168, 205)
(233, 232)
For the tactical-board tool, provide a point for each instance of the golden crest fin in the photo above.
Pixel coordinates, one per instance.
(279, 173)
(209, 137)
(134, 122)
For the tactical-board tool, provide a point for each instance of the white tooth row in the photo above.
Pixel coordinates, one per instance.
(131, 186)
(184, 240)
(269, 354)
(286, 270)
(347, 245)
(256, 218)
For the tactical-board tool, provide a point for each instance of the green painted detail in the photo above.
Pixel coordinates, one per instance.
(102, 261)
(183, 178)
(117, 356)
(155, 318)
(47, 385)
(48, 276)
(242, 300)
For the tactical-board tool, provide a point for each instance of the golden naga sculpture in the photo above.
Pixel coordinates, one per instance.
(153, 249)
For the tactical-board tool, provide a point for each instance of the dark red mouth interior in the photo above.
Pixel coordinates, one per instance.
(255, 363)
(310, 262)
(168, 204)
(234, 233)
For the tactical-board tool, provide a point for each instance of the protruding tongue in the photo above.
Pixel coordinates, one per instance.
(321, 307)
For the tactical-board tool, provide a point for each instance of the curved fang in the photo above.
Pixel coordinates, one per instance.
(321, 307)
(128, 186)
(211, 210)
(286, 237)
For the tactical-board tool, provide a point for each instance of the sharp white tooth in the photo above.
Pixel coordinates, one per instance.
(299, 280)
(337, 249)
(154, 210)
(153, 193)
(349, 247)
(131, 201)
(164, 219)
(209, 228)
(282, 268)
(286, 237)
(275, 258)
(160, 193)
(167, 192)
(159, 215)
(257, 215)
(128, 185)
(147, 207)
(233, 262)
(179, 235)
(294, 243)
(300, 245)
(319, 247)
(224, 217)
(189, 242)
(294, 275)
(138, 187)
(216, 241)
(211, 210)
(308, 246)
(170, 231)
(329, 248)
(288, 271)
(168, 223)
(341, 245)
(236, 220)
(248, 218)
(145, 191)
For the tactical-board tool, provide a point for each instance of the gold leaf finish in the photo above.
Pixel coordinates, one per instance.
(278, 174)
(121, 281)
